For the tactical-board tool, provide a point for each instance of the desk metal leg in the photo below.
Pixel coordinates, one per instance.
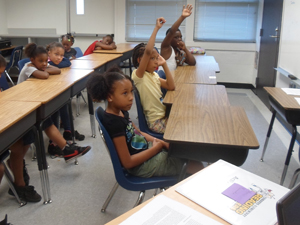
(130, 66)
(69, 104)
(39, 156)
(289, 154)
(268, 135)
(92, 117)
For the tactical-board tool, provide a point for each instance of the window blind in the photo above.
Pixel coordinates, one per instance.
(225, 20)
(141, 18)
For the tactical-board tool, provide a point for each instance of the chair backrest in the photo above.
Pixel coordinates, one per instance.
(79, 52)
(3, 82)
(22, 62)
(288, 207)
(141, 117)
(125, 179)
(15, 57)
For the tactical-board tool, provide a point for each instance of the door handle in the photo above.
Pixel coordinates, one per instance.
(272, 36)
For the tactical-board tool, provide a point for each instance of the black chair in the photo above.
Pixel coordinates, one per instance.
(3, 82)
(9, 177)
(288, 207)
(126, 180)
(15, 57)
(142, 119)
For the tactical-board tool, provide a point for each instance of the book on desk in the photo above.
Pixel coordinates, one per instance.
(235, 195)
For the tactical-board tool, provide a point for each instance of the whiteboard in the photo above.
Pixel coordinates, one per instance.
(289, 53)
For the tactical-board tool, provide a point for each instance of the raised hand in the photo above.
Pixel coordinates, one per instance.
(181, 45)
(160, 22)
(187, 11)
(161, 60)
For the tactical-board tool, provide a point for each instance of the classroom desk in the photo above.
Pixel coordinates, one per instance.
(124, 48)
(15, 123)
(52, 96)
(209, 133)
(197, 94)
(108, 59)
(7, 49)
(171, 193)
(77, 78)
(208, 60)
(289, 109)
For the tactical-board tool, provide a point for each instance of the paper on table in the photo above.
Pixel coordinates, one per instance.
(238, 193)
(291, 91)
(163, 210)
(212, 77)
(298, 100)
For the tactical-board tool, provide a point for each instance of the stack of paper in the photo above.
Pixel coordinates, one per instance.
(236, 195)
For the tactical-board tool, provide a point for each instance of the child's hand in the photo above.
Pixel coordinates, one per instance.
(160, 22)
(161, 60)
(181, 45)
(157, 142)
(187, 11)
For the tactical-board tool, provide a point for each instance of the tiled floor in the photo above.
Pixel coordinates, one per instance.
(78, 191)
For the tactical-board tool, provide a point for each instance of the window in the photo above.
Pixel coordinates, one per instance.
(80, 7)
(141, 18)
(225, 20)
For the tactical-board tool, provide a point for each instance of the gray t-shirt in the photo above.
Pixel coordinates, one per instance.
(26, 72)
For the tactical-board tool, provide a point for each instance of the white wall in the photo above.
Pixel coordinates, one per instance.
(37, 14)
(3, 21)
(109, 17)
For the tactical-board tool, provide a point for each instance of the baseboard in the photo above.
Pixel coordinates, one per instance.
(237, 85)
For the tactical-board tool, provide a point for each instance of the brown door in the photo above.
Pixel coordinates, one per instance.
(269, 46)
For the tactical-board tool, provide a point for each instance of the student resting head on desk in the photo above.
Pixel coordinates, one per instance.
(16, 162)
(67, 41)
(173, 49)
(56, 58)
(38, 67)
(107, 43)
(146, 59)
(141, 154)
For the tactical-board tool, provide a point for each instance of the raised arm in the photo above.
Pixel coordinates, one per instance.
(166, 48)
(149, 47)
(189, 58)
(167, 83)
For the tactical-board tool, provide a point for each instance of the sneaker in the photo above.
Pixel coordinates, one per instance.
(28, 194)
(25, 176)
(54, 151)
(73, 151)
(68, 136)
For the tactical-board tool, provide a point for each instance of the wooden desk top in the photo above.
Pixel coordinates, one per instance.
(201, 73)
(86, 64)
(8, 48)
(121, 48)
(67, 75)
(197, 94)
(38, 91)
(288, 102)
(100, 57)
(171, 193)
(14, 111)
(224, 126)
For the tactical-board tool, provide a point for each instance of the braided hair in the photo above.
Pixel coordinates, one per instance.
(32, 50)
(69, 36)
(100, 86)
(138, 52)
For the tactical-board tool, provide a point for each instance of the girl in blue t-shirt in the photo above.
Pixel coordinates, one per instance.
(141, 154)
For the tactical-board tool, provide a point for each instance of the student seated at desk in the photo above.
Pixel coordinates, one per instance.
(173, 49)
(141, 154)
(67, 41)
(16, 162)
(107, 43)
(57, 59)
(146, 59)
(39, 68)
